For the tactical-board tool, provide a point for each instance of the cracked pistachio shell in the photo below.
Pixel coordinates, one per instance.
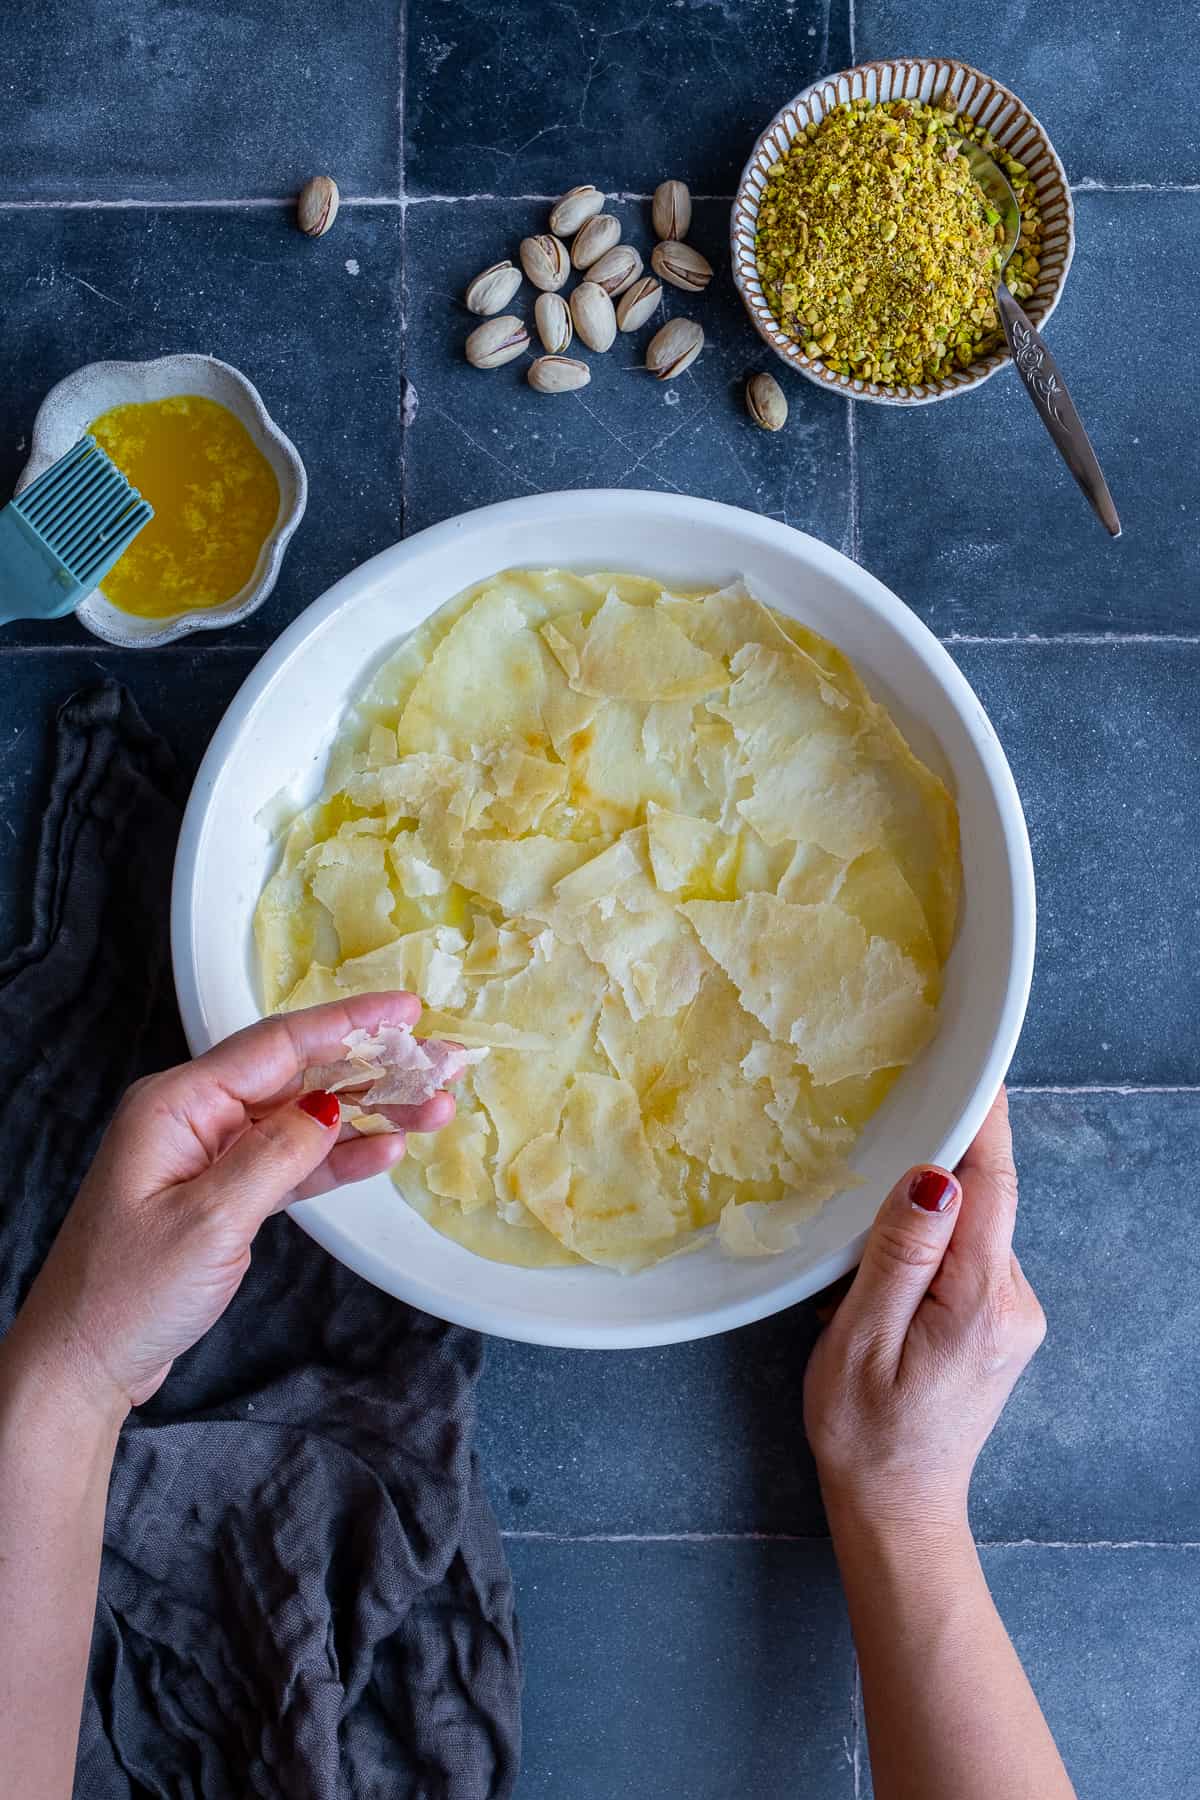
(491, 291)
(545, 261)
(596, 238)
(671, 211)
(682, 266)
(766, 402)
(595, 319)
(639, 303)
(616, 270)
(552, 316)
(558, 374)
(674, 348)
(575, 208)
(497, 341)
(317, 206)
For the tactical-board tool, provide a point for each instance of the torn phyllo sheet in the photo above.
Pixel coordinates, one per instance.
(392, 1068)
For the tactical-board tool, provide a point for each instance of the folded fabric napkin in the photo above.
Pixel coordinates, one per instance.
(303, 1590)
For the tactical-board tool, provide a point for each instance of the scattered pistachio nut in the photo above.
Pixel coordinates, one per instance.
(639, 303)
(491, 291)
(595, 320)
(616, 270)
(575, 208)
(317, 206)
(496, 341)
(552, 316)
(594, 239)
(545, 261)
(558, 374)
(671, 211)
(674, 348)
(766, 402)
(682, 266)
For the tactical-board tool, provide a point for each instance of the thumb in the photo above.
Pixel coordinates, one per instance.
(904, 1252)
(258, 1173)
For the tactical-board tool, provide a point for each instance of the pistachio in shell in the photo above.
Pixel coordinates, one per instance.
(558, 374)
(492, 289)
(766, 402)
(497, 341)
(674, 348)
(575, 208)
(671, 211)
(552, 316)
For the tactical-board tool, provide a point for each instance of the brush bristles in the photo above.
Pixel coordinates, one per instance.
(84, 510)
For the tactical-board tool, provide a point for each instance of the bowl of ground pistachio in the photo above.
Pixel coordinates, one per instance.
(863, 248)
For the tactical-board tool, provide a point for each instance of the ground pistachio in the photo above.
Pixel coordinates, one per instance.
(877, 250)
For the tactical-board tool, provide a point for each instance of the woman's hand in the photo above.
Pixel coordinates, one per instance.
(159, 1236)
(909, 1378)
(901, 1392)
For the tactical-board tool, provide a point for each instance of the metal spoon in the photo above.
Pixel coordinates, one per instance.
(1033, 362)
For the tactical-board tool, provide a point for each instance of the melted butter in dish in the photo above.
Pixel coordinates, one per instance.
(215, 500)
(668, 861)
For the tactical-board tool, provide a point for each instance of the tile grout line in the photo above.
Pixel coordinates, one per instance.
(1065, 640)
(235, 202)
(407, 397)
(854, 519)
(1124, 1089)
(406, 411)
(1188, 1545)
(1088, 639)
(856, 1734)
(1088, 185)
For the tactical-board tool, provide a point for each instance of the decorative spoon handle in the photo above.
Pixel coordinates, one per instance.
(1048, 391)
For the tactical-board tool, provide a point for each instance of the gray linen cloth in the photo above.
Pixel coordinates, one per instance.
(303, 1589)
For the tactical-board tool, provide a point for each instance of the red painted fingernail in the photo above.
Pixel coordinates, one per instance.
(932, 1191)
(322, 1107)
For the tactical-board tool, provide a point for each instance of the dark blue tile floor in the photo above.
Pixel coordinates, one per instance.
(683, 1630)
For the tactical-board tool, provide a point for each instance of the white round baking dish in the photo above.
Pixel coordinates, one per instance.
(277, 731)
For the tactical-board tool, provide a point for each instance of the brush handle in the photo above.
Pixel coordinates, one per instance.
(33, 585)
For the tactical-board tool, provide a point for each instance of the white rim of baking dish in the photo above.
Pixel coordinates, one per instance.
(681, 511)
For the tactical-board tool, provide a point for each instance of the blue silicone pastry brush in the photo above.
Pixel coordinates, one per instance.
(59, 539)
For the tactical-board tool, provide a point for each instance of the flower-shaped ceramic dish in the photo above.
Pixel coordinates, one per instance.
(929, 79)
(64, 417)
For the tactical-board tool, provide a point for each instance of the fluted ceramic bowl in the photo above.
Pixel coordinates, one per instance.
(929, 79)
(64, 417)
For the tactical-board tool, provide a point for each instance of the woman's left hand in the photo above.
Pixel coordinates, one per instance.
(158, 1239)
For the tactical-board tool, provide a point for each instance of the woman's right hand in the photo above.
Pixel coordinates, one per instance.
(195, 1160)
(908, 1379)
